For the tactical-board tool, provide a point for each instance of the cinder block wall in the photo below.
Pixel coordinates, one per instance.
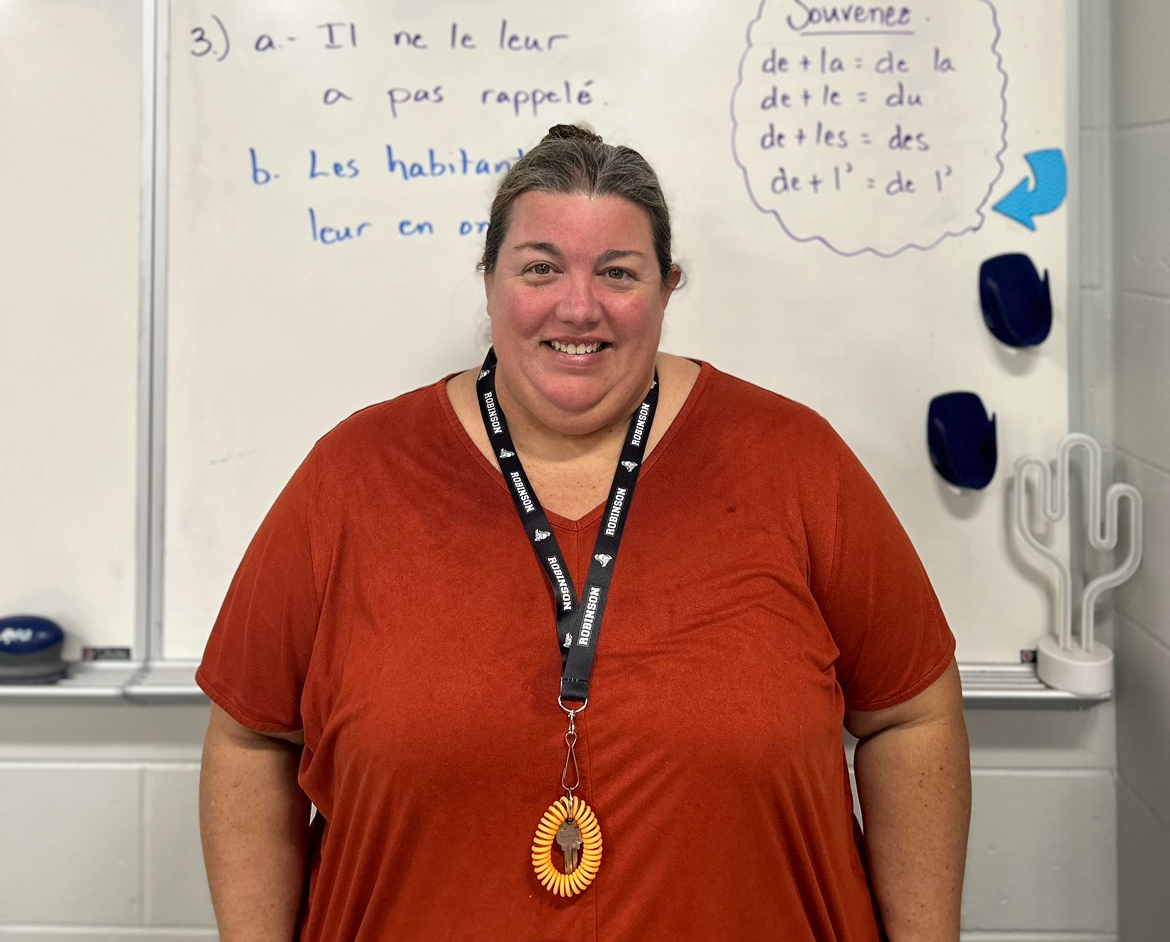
(1140, 137)
(100, 836)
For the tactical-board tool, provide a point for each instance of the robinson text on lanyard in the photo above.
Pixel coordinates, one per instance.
(578, 624)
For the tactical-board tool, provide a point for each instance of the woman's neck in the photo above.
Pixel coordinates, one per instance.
(571, 473)
(556, 439)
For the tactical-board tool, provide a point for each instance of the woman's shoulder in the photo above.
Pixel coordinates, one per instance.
(742, 407)
(383, 427)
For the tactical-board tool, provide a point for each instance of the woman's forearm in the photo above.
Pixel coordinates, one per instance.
(254, 820)
(914, 784)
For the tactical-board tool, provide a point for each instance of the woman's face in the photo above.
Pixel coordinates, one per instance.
(576, 303)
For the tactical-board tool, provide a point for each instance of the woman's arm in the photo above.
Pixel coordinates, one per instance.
(254, 820)
(914, 781)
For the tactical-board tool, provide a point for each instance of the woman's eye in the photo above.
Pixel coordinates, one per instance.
(617, 274)
(541, 268)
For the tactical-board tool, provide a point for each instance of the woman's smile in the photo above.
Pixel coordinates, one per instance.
(578, 349)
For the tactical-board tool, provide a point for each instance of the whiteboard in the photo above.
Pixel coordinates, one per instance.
(70, 93)
(331, 168)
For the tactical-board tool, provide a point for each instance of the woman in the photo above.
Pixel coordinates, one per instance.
(390, 647)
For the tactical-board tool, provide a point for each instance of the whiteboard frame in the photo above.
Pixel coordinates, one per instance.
(149, 644)
(152, 333)
(1072, 208)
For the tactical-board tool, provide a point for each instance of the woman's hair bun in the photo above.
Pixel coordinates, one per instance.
(571, 132)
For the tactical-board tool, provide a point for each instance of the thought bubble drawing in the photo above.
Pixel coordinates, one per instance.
(872, 128)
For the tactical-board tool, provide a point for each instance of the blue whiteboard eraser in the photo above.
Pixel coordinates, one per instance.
(960, 437)
(1016, 301)
(30, 650)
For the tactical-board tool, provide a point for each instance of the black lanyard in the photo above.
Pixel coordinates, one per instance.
(578, 625)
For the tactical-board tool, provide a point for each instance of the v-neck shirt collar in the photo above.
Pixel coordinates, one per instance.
(592, 516)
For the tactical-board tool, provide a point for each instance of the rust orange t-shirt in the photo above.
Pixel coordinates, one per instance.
(391, 606)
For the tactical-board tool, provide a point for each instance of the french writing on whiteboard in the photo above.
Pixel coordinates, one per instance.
(213, 41)
(865, 128)
(409, 149)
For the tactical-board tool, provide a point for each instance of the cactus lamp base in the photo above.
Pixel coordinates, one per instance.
(1088, 673)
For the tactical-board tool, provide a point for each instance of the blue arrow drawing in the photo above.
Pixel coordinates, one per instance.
(1021, 204)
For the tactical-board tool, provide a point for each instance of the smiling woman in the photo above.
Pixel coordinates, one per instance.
(390, 647)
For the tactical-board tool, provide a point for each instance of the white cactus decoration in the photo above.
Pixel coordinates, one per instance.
(1086, 666)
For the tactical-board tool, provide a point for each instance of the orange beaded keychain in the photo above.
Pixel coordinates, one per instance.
(573, 826)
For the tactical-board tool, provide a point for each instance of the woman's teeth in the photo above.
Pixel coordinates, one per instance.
(575, 348)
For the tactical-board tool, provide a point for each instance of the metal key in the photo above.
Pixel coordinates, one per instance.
(569, 840)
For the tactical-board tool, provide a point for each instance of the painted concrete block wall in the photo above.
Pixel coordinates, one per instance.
(1041, 860)
(1095, 199)
(1141, 366)
(101, 836)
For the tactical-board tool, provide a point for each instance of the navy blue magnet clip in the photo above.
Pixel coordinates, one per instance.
(30, 650)
(961, 439)
(1016, 302)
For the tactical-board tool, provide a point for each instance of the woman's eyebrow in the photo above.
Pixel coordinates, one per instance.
(612, 255)
(546, 248)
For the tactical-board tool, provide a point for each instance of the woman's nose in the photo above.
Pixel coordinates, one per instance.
(580, 303)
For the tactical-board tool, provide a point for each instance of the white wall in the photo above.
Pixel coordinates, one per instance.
(103, 841)
(1141, 356)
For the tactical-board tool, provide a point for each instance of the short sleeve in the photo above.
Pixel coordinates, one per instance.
(258, 655)
(879, 605)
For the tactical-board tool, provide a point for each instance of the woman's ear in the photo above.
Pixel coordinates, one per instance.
(670, 282)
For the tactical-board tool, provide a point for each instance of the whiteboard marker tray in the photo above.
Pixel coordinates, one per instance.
(985, 686)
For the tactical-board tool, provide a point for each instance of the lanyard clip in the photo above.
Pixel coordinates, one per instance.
(570, 712)
(571, 776)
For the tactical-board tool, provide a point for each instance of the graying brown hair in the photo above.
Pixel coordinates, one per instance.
(572, 160)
